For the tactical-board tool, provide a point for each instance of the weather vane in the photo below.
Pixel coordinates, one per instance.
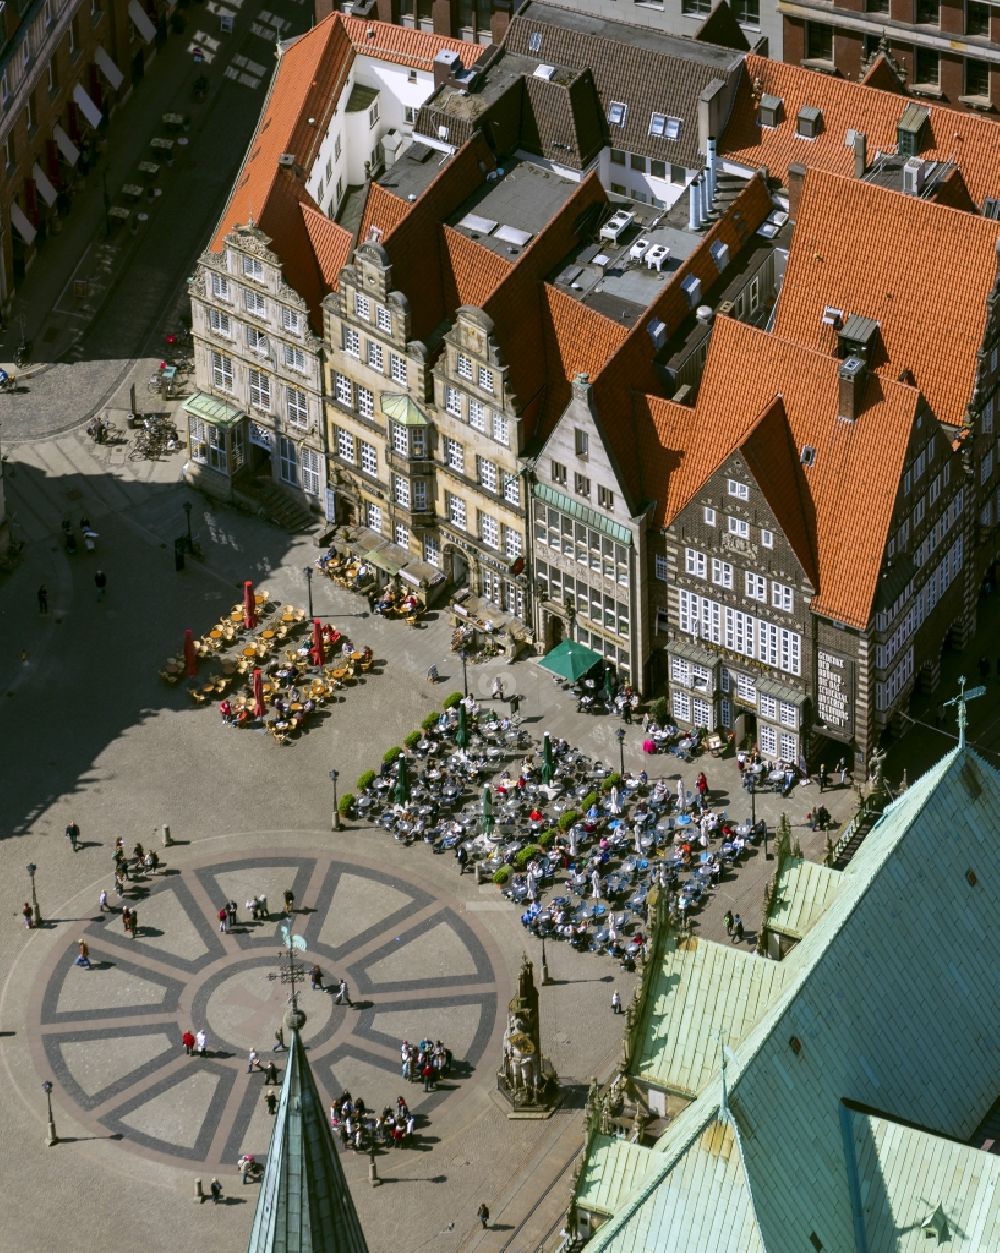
(294, 970)
(961, 700)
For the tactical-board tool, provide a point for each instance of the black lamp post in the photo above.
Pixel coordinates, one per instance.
(308, 572)
(546, 977)
(51, 1138)
(334, 776)
(36, 912)
(190, 537)
(465, 670)
(620, 737)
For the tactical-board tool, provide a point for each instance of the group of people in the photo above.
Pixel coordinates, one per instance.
(427, 1060)
(341, 997)
(362, 1128)
(194, 1044)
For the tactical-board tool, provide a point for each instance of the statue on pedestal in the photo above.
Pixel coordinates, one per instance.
(522, 1077)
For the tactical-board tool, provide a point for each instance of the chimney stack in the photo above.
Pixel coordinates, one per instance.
(447, 64)
(703, 204)
(851, 376)
(796, 178)
(712, 158)
(860, 154)
(694, 200)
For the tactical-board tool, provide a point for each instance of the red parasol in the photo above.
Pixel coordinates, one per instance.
(318, 655)
(190, 657)
(249, 606)
(258, 694)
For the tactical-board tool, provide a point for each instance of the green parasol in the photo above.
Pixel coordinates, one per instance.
(486, 819)
(402, 789)
(548, 761)
(462, 733)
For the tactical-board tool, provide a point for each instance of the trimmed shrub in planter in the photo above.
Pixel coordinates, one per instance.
(525, 855)
(451, 701)
(365, 779)
(430, 721)
(392, 754)
(346, 805)
(502, 875)
(413, 739)
(567, 819)
(547, 838)
(659, 711)
(588, 800)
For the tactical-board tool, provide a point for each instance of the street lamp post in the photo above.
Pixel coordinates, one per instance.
(308, 572)
(465, 670)
(51, 1138)
(620, 737)
(546, 977)
(334, 776)
(36, 912)
(190, 537)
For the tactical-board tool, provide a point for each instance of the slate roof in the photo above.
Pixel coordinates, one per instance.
(893, 258)
(881, 1013)
(647, 71)
(802, 893)
(968, 138)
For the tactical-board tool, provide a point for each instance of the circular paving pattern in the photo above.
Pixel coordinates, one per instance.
(110, 1036)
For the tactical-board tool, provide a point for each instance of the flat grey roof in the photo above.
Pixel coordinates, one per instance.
(526, 197)
(416, 167)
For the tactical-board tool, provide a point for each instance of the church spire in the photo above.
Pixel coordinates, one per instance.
(304, 1204)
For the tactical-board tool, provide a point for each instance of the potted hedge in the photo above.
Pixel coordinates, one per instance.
(450, 702)
(365, 780)
(430, 722)
(392, 754)
(413, 739)
(567, 819)
(501, 876)
(346, 805)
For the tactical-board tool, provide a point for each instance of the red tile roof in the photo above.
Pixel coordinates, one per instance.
(471, 272)
(331, 245)
(969, 139)
(383, 210)
(880, 74)
(384, 41)
(921, 270)
(857, 467)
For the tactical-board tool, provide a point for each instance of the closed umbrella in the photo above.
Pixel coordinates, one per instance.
(548, 761)
(486, 819)
(402, 789)
(190, 657)
(609, 685)
(462, 732)
(258, 694)
(318, 655)
(681, 796)
(249, 606)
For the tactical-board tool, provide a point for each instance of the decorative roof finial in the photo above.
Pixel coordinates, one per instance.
(961, 700)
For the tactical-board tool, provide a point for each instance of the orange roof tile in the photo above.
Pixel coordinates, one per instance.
(383, 210)
(857, 466)
(384, 41)
(331, 244)
(895, 259)
(880, 74)
(471, 272)
(969, 139)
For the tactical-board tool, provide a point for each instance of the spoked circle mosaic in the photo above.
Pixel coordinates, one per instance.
(111, 1036)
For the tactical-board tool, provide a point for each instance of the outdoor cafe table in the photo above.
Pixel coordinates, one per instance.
(148, 169)
(215, 633)
(120, 212)
(132, 190)
(288, 617)
(249, 652)
(161, 144)
(267, 635)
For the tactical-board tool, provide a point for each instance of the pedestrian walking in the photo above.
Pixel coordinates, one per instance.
(201, 1042)
(43, 599)
(187, 1040)
(101, 583)
(427, 1074)
(822, 777)
(216, 1190)
(483, 1214)
(83, 957)
(223, 920)
(842, 771)
(231, 912)
(727, 918)
(371, 598)
(289, 900)
(26, 914)
(133, 923)
(462, 857)
(616, 1002)
(73, 835)
(316, 976)
(102, 900)
(738, 929)
(126, 920)
(253, 1061)
(270, 1075)
(343, 996)
(271, 1101)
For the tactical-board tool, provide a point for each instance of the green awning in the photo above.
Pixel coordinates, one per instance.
(401, 409)
(211, 409)
(615, 530)
(571, 660)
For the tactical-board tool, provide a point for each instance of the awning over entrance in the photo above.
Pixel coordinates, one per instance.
(781, 691)
(211, 409)
(401, 409)
(66, 146)
(86, 106)
(390, 558)
(421, 574)
(141, 19)
(571, 660)
(45, 188)
(20, 223)
(108, 68)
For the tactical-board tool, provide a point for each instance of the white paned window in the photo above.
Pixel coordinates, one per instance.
(432, 551)
(397, 368)
(501, 432)
(345, 444)
(746, 688)
(254, 303)
(366, 403)
(701, 712)
(756, 586)
(295, 358)
(352, 342)
(768, 706)
(291, 320)
(400, 439)
(511, 488)
(791, 652)
(768, 738)
(310, 471)
(254, 269)
(711, 517)
(767, 539)
(486, 472)
(220, 323)
(222, 371)
(369, 458)
(680, 703)
(722, 573)
(260, 390)
(477, 414)
(486, 379)
(456, 510)
(680, 671)
(288, 462)
(789, 746)
(382, 319)
(740, 490)
(454, 455)
(513, 544)
(662, 568)
(694, 562)
(343, 390)
(489, 530)
(453, 401)
(419, 495)
(373, 517)
(401, 535)
(736, 526)
(296, 407)
(362, 308)
(256, 341)
(788, 715)
(401, 491)
(376, 357)
(220, 287)
(463, 366)
(782, 597)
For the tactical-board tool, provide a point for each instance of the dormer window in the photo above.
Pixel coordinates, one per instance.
(809, 122)
(616, 113)
(535, 41)
(770, 110)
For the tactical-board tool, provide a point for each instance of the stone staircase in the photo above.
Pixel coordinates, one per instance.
(279, 507)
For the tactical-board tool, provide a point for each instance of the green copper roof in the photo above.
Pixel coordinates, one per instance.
(212, 409)
(402, 409)
(304, 1204)
(803, 892)
(890, 1003)
(614, 1166)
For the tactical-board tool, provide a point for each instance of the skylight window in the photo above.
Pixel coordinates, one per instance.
(616, 113)
(663, 127)
(535, 41)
